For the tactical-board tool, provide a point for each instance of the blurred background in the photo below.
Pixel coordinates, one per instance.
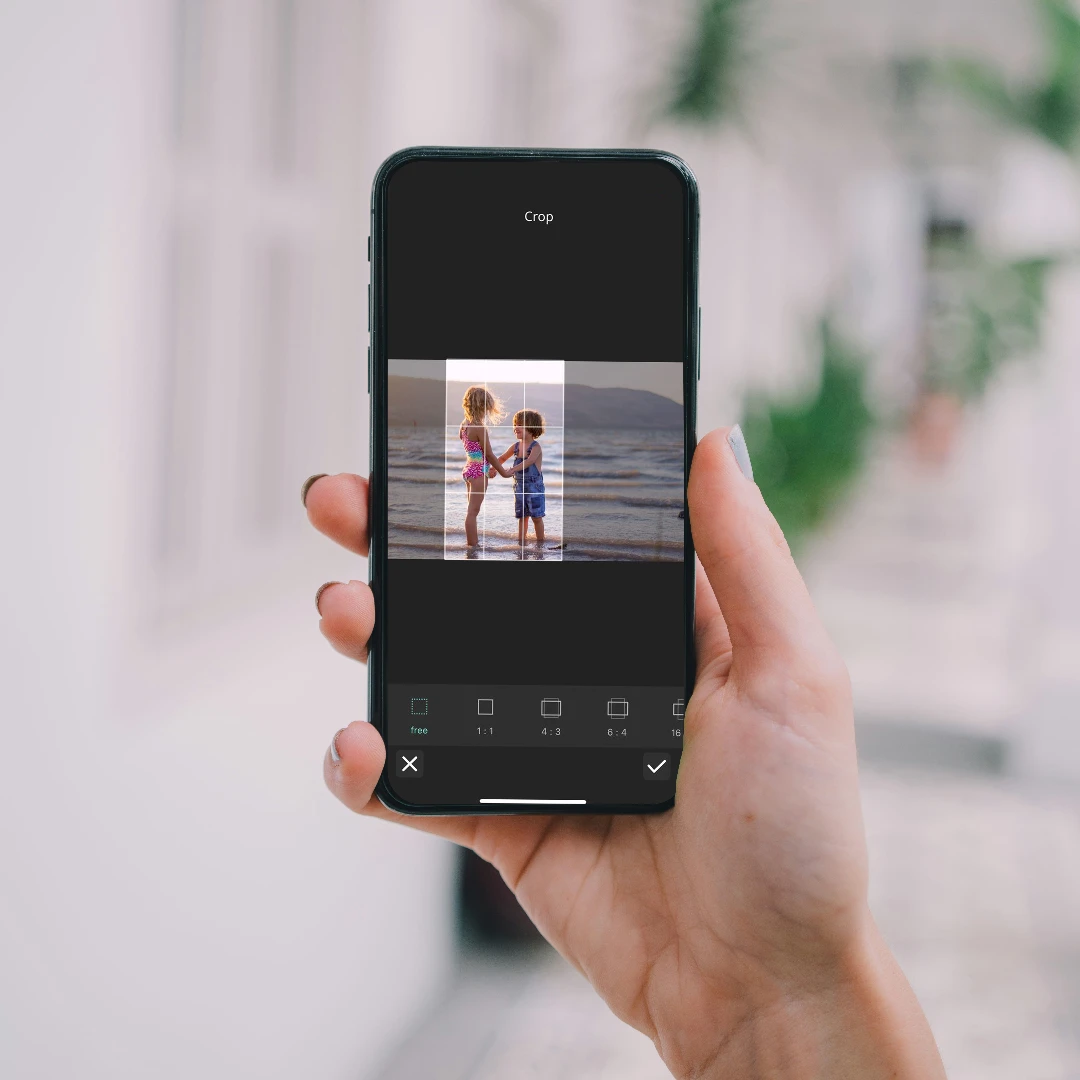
(891, 305)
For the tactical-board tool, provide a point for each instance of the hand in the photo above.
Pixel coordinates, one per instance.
(734, 929)
(492, 473)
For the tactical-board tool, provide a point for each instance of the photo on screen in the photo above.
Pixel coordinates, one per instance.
(594, 451)
(517, 406)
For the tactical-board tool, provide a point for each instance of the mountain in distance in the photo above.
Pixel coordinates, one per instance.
(416, 402)
(422, 403)
(617, 407)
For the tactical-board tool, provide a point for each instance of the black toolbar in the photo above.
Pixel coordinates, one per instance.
(537, 715)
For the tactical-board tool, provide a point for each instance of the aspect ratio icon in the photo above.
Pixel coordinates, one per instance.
(551, 708)
(618, 708)
(485, 706)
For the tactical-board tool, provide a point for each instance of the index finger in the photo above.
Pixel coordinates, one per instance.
(338, 507)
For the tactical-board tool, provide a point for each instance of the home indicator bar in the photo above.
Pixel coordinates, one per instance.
(539, 802)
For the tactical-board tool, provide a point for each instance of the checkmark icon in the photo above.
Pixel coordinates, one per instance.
(656, 766)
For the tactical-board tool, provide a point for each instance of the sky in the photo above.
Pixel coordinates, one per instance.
(505, 371)
(659, 378)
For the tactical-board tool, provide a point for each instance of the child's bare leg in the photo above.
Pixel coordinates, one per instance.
(476, 499)
(471, 537)
(538, 526)
(523, 528)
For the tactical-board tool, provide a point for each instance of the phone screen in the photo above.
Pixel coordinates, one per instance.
(533, 377)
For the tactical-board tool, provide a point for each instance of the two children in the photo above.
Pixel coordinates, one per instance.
(481, 408)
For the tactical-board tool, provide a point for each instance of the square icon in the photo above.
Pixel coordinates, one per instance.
(656, 766)
(618, 708)
(418, 706)
(485, 706)
(678, 709)
(409, 763)
(551, 708)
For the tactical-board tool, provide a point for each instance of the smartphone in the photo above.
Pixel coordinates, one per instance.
(533, 367)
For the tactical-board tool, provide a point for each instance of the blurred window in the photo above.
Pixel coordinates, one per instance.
(268, 441)
(526, 54)
(190, 64)
(243, 206)
(282, 85)
(184, 391)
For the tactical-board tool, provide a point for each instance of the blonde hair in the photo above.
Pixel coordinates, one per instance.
(479, 403)
(531, 421)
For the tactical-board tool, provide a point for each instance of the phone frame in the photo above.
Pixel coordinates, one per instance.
(378, 524)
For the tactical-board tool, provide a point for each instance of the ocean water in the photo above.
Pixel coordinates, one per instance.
(611, 496)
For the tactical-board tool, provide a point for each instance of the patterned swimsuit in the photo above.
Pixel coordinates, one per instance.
(474, 455)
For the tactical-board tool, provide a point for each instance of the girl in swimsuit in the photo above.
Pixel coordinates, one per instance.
(480, 406)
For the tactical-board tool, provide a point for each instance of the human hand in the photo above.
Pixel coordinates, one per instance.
(492, 472)
(734, 929)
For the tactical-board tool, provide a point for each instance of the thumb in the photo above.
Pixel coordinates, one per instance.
(761, 594)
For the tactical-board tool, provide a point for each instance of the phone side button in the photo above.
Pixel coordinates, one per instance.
(699, 344)
(369, 370)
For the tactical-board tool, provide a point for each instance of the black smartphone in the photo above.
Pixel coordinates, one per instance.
(533, 368)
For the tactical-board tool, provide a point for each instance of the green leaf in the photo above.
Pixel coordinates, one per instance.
(984, 86)
(706, 84)
(1062, 26)
(1054, 106)
(1051, 107)
(806, 455)
(984, 314)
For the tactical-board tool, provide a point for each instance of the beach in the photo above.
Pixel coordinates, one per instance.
(612, 495)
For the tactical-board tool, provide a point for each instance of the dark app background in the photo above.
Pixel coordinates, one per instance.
(468, 276)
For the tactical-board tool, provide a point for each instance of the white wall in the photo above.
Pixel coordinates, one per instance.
(179, 896)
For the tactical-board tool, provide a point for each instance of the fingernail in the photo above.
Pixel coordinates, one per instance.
(307, 486)
(335, 757)
(737, 442)
(322, 588)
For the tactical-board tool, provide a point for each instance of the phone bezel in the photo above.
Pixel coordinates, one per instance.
(377, 388)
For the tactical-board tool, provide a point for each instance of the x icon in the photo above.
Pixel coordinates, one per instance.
(409, 763)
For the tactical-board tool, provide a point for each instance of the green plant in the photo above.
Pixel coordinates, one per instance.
(983, 314)
(707, 81)
(1050, 106)
(807, 454)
